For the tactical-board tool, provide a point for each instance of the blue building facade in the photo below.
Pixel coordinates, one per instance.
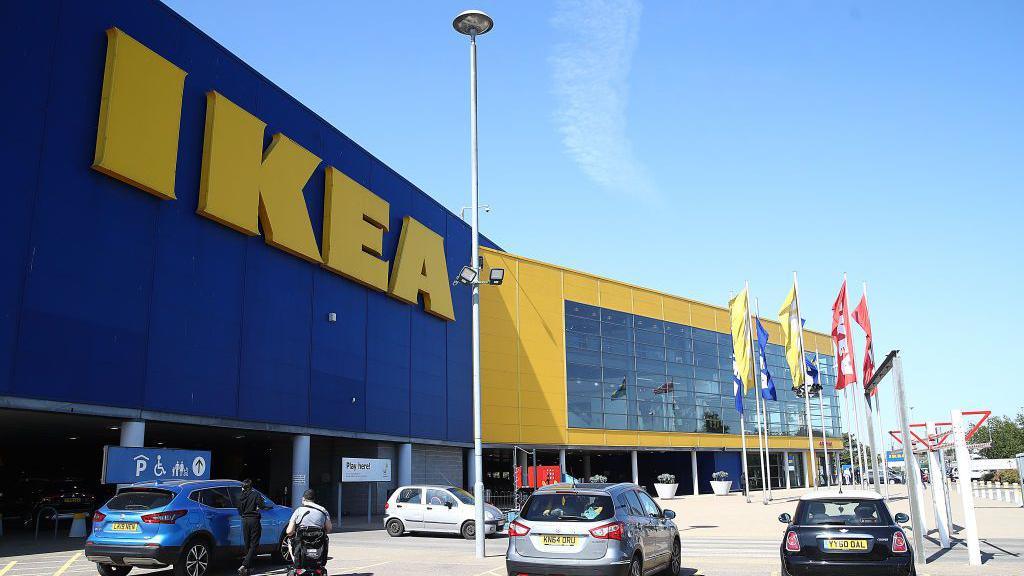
(111, 297)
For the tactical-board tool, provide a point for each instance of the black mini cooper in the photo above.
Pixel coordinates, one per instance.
(845, 533)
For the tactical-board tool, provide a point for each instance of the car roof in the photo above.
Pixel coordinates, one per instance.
(844, 495)
(609, 488)
(186, 484)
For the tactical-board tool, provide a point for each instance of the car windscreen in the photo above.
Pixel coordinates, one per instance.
(140, 499)
(462, 495)
(842, 512)
(568, 507)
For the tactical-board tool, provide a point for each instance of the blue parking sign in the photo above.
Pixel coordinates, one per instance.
(124, 465)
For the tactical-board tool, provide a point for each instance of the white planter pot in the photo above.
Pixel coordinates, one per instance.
(721, 487)
(666, 491)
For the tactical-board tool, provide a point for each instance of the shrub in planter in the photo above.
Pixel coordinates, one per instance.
(720, 476)
(720, 483)
(666, 479)
(666, 486)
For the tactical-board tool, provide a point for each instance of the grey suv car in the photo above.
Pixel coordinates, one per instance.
(592, 530)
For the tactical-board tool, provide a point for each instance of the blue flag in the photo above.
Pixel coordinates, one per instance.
(767, 384)
(812, 371)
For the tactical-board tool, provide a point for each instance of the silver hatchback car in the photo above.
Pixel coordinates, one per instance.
(592, 530)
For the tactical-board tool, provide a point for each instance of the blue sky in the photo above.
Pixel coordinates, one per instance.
(692, 146)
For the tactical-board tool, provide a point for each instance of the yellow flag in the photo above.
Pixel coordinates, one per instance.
(739, 317)
(791, 334)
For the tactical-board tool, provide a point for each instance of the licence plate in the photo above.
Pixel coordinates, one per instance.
(72, 500)
(846, 545)
(124, 526)
(558, 540)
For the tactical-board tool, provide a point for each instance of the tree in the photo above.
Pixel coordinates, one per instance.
(1007, 436)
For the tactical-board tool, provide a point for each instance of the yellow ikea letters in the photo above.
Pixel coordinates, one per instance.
(420, 268)
(140, 113)
(239, 180)
(250, 189)
(355, 221)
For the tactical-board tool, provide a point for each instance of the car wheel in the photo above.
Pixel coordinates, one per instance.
(111, 570)
(395, 527)
(283, 555)
(469, 530)
(194, 559)
(636, 567)
(676, 562)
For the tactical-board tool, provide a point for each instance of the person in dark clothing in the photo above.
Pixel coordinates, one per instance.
(250, 503)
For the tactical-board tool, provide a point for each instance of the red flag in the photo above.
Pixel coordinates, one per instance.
(846, 374)
(860, 315)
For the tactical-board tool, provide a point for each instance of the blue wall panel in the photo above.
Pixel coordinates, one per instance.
(111, 296)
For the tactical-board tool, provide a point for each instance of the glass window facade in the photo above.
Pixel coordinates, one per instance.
(628, 372)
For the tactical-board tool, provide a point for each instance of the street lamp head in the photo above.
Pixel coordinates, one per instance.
(473, 23)
(467, 276)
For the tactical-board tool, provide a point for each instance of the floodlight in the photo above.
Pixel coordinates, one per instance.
(497, 276)
(467, 275)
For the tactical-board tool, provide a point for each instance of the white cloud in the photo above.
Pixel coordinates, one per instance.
(590, 70)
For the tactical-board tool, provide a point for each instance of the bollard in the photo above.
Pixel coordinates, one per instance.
(77, 526)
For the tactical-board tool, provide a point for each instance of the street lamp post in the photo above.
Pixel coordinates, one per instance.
(474, 23)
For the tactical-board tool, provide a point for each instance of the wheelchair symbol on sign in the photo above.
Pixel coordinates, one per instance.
(199, 466)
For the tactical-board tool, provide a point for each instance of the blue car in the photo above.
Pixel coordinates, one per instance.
(181, 523)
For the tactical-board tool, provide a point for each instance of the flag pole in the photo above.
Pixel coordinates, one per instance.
(875, 474)
(857, 406)
(878, 417)
(764, 402)
(757, 398)
(813, 469)
(821, 412)
(742, 393)
(849, 423)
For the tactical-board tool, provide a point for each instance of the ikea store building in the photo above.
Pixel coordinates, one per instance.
(193, 259)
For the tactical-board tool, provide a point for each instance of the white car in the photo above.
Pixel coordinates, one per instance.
(437, 509)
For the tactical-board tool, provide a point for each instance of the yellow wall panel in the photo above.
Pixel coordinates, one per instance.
(543, 434)
(620, 438)
(500, 434)
(616, 296)
(685, 440)
(647, 304)
(654, 439)
(722, 321)
(702, 316)
(676, 310)
(580, 288)
(581, 437)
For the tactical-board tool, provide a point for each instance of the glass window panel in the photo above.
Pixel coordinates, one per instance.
(584, 419)
(705, 348)
(643, 323)
(705, 374)
(616, 346)
(705, 361)
(678, 356)
(617, 361)
(584, 389)
(616, 375)
(615, 421)
(583, 340)
(674, 329)
(615, 317)
(582, 325)
(650, 352)
(725, 350)
(646, 365)
(583, 356)
(680, 370)
(616, 391)
(725, 363)
(679, 342)
(656, 338)
(582, 310)
(616, 331)
(649, 379)
(705, 386)
(726, 389)
(725, 376)
(616, 405)
(725, 339)
(579, 372)
(705, 335)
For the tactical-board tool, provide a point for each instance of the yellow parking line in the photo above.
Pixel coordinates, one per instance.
(7, 568)
(67, 564)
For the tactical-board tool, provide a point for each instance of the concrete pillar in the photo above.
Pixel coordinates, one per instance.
(586, 466)
(785, 468)
(938, 492)
(300, 467)
(693, 471)
(404, 467)
(561, 463)
(133, 433)
(636, 468)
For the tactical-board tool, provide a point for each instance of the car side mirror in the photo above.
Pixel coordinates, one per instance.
(785, 518)
(902, 518)
(669, 514)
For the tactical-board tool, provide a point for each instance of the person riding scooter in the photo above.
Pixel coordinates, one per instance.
(307, 537)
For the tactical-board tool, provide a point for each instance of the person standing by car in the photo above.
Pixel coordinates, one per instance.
(250, 505)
